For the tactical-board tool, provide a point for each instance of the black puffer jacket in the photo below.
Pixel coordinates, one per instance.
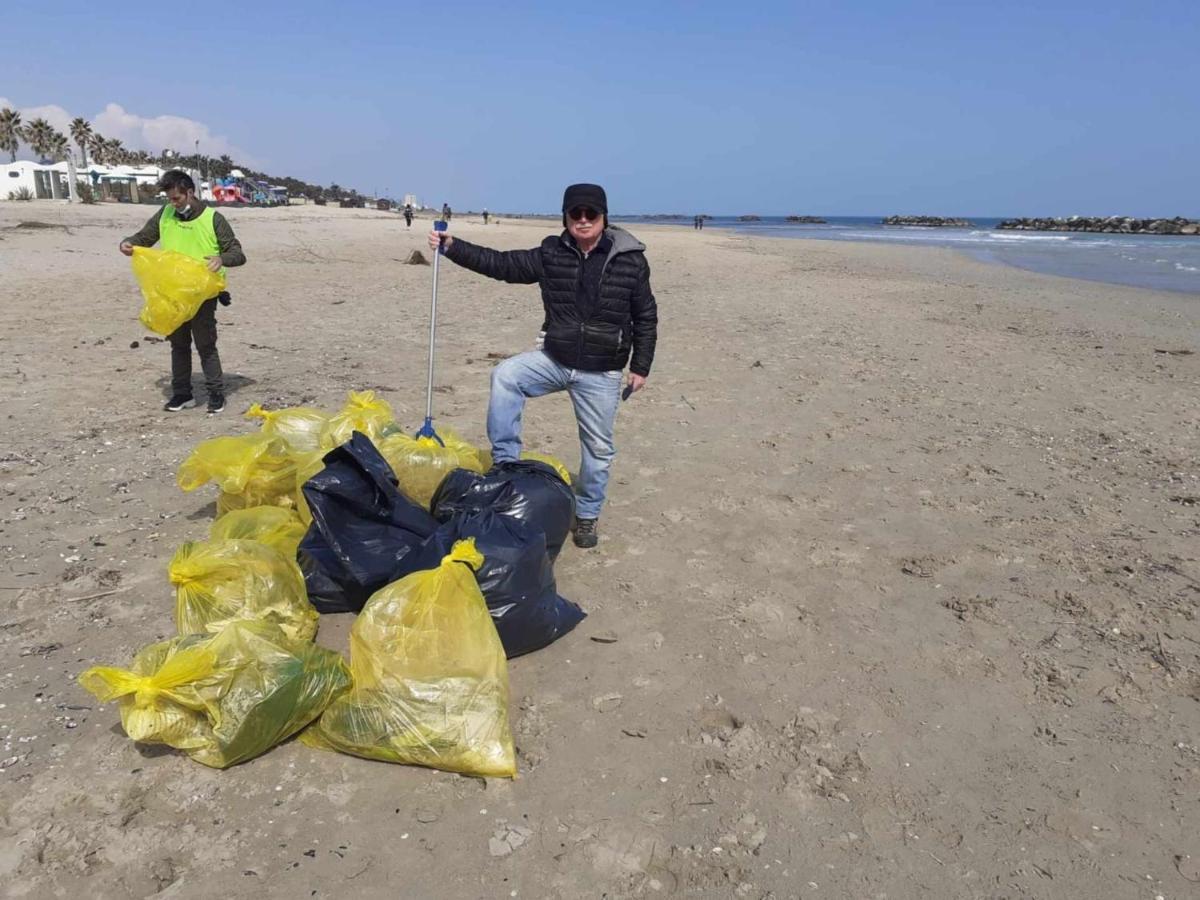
(624, 322)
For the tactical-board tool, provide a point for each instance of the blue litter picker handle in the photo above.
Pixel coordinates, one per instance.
(427, 430)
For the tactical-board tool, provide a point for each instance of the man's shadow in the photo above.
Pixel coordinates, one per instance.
(233, 384)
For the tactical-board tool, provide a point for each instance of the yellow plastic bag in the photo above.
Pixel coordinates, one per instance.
(362, 412)
(173, 285)
(250, 469)
(298, 426)
(217, 582)
(307, 465)
(420, 464)
(430, 678)
(222, 698)
(553, 461)
(272, 525)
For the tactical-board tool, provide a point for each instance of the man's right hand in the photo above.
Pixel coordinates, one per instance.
(440, 239)
(127, 248)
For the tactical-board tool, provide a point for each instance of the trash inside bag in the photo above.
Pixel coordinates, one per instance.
(515, 578)
(420, 464)
(217, 582)
(362, 412)
(174, 286)
(271, 525)
(364, 532)
(298, 426)
(250, 469)
(430, 679)
(530, 491)
(222, 698)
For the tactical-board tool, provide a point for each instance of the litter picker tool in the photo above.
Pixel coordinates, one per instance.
(427, 430)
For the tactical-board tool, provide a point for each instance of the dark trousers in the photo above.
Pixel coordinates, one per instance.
(203, 330)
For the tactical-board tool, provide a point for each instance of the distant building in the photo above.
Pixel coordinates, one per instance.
(48, 181)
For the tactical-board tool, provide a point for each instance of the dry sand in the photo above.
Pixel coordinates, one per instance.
(896, 595)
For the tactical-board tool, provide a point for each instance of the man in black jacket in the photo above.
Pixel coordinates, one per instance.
(599, 315)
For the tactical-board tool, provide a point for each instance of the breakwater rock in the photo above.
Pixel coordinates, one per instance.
(749, 218)
(807, 220)
(1106, 225)
(928, 221)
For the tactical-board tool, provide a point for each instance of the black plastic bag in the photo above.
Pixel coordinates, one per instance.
(528, 491)
(516, 578)
(365, 534)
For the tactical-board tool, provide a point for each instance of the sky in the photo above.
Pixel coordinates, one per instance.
(861, 107)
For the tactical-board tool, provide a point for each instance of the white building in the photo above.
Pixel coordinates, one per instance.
(49, 181)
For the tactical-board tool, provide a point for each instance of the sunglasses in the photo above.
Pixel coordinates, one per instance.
(583, 212)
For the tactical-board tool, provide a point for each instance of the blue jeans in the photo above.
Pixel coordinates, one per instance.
(595, 396)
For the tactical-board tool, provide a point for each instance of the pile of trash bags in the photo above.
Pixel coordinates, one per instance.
(445, 558)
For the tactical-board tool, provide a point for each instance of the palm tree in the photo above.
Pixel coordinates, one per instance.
(115, 152)
(60, 146)
(39, 135)
(96, 142)
(220, 167)
(10, 132)
(81, 131)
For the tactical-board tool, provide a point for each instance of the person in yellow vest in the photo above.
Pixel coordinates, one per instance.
(190, 226)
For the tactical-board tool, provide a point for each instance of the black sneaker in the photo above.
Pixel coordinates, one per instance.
(180, 401)
(216, 403)
(585, 533)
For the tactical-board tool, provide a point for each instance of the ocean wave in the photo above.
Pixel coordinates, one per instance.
(1182, 268)
(1005, 236)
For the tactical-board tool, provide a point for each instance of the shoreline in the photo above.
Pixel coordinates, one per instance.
(960, 253)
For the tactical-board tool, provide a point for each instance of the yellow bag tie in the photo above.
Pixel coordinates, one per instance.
(257, 412)
(464, 552)
(109, 683)
(178, 578)
(361, 399)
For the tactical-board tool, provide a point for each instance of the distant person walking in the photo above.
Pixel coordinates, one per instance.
(408, 213)
(485, 215)
(695, 223)
(188, 225)
(446, 212)
(599, 315)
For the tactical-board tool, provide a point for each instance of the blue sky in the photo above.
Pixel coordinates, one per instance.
(975, 108)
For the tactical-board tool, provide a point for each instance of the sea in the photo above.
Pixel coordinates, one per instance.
(1169, 263)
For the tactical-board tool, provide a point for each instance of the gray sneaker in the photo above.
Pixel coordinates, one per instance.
(586, 535)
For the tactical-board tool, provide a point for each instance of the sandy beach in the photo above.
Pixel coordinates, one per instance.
(896, 594)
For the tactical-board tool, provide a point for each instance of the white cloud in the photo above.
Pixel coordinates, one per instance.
(55, 115)
(139, 132)
(163, 133)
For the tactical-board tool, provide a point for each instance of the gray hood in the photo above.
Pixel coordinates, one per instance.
(622, 242)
